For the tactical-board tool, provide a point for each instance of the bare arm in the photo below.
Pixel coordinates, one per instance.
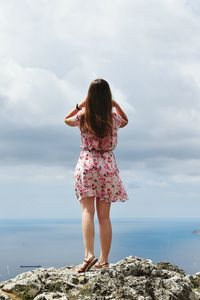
(121, 113)
(69, 120)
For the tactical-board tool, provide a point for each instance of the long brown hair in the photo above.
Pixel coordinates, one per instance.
(98, 113)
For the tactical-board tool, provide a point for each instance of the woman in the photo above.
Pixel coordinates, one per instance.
(96, 173)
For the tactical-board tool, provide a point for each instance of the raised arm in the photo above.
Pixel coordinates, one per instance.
(69, 120)
(121, 113)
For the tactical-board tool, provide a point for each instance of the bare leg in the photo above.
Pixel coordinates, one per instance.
(105, 229)
(88, 229)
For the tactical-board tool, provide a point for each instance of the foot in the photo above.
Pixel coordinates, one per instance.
(99, 265)
(87, 264)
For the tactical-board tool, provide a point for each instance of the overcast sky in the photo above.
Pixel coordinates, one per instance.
(149, 52)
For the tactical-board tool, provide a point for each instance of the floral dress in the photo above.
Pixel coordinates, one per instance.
(96, 173)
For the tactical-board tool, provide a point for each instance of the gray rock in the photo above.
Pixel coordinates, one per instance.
(130, 278)
(51, 296)
(26, 285)
(4, 296)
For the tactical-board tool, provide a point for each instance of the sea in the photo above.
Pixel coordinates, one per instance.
(28, 243)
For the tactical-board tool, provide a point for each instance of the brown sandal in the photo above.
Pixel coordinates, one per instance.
(87, 264)
(98, 265)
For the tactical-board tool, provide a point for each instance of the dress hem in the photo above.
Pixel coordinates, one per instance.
(120, 199)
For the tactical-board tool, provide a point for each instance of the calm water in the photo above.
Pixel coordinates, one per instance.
(59, 243)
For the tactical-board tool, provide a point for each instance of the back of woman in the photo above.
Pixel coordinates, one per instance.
(96, 172)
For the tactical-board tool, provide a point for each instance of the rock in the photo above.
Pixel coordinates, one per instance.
(195, 279)
(4, 296)
(170, 267)
(26, 285)
(51, 296)
(130, 278)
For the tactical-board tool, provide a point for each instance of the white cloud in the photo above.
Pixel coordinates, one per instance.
(34, 97)
(148, 52)
(34, 174)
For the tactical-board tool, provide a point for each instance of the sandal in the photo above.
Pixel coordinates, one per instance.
(98, 265)
(87, 264)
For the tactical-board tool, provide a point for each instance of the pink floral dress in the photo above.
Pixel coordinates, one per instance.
(96, 173)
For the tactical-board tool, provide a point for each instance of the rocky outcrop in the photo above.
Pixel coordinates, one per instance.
(130, 278)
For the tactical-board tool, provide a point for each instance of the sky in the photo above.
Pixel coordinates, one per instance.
(149, 52)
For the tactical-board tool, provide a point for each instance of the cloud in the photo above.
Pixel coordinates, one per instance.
(148, 52)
